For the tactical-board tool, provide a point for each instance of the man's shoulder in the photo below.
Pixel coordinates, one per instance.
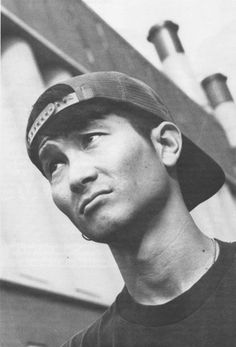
(90, 335)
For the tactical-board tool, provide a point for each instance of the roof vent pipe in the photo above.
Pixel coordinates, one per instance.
(222, 102)
(175, 64)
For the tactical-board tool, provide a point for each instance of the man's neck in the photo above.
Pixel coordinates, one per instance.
(172, 255)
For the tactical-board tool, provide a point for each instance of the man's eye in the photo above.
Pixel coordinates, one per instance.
(90, 139)
(53, 167)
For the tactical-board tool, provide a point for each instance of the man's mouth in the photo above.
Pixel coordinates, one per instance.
(87, 201)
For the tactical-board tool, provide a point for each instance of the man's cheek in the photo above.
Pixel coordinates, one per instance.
(60, 200)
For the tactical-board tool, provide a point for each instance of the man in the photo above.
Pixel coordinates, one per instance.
(120, 169)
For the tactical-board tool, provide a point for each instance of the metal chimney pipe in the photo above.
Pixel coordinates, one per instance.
(165, 39)
(175, 64)
(222, 102)
(216, 89)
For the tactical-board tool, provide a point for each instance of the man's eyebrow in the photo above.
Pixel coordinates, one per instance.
(43, 141)
(44, 145)
(95, 124)
(87, 123)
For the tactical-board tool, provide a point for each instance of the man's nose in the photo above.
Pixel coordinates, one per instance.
(82, 172)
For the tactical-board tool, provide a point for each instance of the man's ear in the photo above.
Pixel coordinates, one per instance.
(167, 141)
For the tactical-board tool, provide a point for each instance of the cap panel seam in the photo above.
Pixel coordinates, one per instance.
(122, 88)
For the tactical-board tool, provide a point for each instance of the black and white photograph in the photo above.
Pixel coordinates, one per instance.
(118, 173)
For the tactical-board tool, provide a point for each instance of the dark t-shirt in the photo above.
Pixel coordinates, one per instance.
(205, 315)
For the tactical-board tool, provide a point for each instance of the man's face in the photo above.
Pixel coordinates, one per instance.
(104, 177)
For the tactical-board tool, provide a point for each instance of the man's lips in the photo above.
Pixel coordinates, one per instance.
(90, 198)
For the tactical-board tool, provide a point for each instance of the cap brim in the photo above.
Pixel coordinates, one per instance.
(200, 177)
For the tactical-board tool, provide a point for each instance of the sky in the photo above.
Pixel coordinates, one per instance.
(207, 29)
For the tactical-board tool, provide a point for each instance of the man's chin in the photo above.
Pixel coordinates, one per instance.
(101, 235)
(113, 226)
(111, 231)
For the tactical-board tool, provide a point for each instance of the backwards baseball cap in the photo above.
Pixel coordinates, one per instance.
(199, 175)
